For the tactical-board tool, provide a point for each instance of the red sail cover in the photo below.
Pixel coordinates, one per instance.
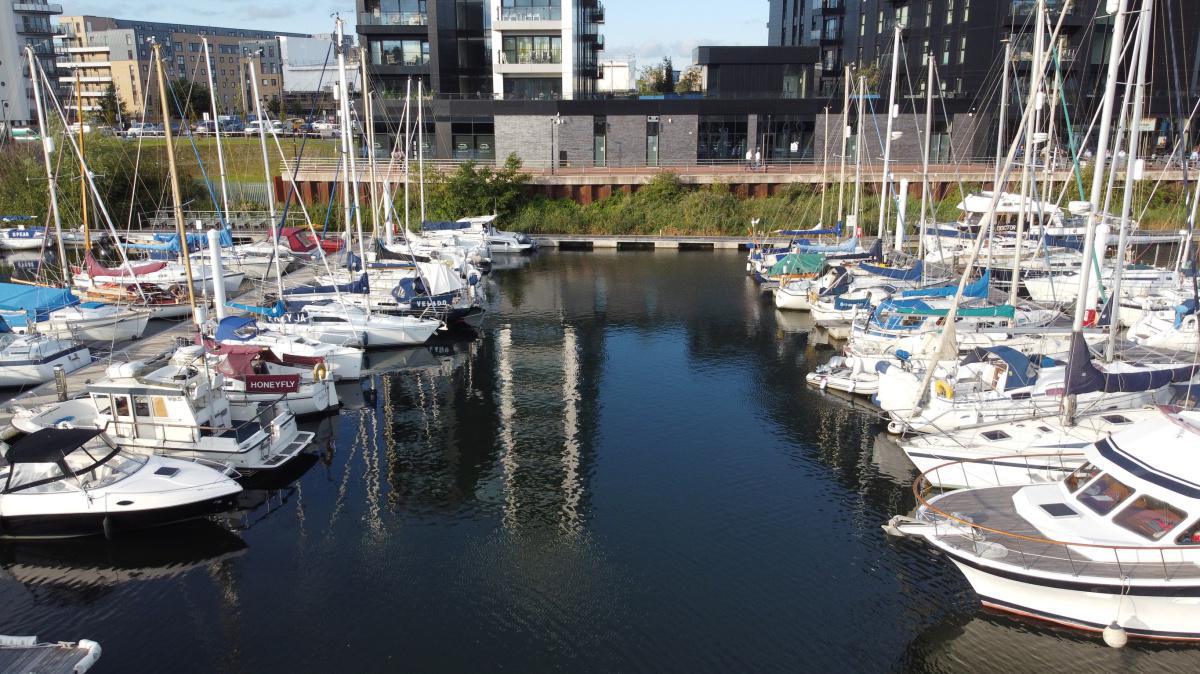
(94, 268)
(272, 383)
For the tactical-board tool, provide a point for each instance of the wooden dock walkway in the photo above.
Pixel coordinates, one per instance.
(48, 658)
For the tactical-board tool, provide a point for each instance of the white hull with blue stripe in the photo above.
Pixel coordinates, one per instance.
(29, 360)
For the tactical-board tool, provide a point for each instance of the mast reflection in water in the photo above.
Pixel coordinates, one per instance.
(624, 471)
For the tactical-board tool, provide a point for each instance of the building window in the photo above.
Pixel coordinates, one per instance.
(928, 13)
(966, 11)
(949, 12)
(533, 88)
(652, 127)
(721, 138)
(862, 25)
(962, 49)
(532, 49)
(600, 140)
(399, 52)
(946, 51)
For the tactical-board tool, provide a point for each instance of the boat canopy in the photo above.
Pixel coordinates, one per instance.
(977, 288)
(236, 328)
(94, 268)
(274, 311)
(49, 445)
(798, 263)
(1084, 377)
(1021, 370)
(33, 302)
(848, 246)
(912, 274)
(844, 304)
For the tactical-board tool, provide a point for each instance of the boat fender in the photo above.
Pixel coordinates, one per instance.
(319, 372)
(93, 654)
(895, 526)
(943, 389)
(1115, 636)
(108, 529)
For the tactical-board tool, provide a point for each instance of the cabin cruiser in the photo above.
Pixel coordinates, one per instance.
(1175, 329)
(484, 228)
(179, 411)
(30, 359)
(60, 482)
(344, 362)
(21, 237)
(1113, 547)
(254, 375)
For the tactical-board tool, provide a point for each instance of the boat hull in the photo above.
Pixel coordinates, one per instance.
(75, 525)
(30, 373)
(1088, 606)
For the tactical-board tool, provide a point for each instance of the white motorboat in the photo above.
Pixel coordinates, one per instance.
(74, 482)
(1175, 329)
(177, 411)
(251, 376)
(1113, 547)
(850, 374)
(999, 454)
(344, 362)
(21, 237)
(29, 360)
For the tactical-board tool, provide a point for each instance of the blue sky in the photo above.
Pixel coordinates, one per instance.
(644, 29)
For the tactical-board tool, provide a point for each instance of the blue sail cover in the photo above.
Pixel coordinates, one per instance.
(837, 230)
(888, 316)
(358, 287)
(274, 311)
(15, 218)
(847, 246)
(843, 304)
(840, 285)
(1184, 310)
(1084, 377)
(35, 302)
(977, 288)
(444, 226)
(227, 329)
(409, 288)
(895, 274)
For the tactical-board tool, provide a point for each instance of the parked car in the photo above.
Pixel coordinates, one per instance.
(252, 129)
(140, 129)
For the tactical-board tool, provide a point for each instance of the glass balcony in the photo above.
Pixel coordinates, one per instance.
(549, 56)
(37, 7)
(393, 19)
(530, 14)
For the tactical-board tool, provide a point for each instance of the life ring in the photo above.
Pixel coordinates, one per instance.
(944, 389)
(319, 372)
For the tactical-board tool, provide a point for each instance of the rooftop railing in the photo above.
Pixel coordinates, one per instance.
(530, 14)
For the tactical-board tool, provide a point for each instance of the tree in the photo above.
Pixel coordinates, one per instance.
(274, 107)
(658, 78)
(112, 109)
(189, 99)
(690, 81)
(475, 189)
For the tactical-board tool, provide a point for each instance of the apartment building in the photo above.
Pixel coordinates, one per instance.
(109, 51)
(23, 23)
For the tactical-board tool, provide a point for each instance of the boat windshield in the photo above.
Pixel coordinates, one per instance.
(1149, 517)
(1081, 476)
(91, 467)
(1105, 494)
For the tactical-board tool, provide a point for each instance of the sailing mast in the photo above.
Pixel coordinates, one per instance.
(824, 166)
(262, 141)
(922, 223)
(176, 196)
(421, 144)
(83, 193)
(858, 143)
(348, 144)
(369, 115)
(1131, 170)
(212, 96)
(47, 148)
(842, 157)
(885, 187)
(1036, 98)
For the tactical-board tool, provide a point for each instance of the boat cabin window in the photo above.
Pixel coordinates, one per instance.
(996, 435)
(121, 405)
(160, 407)
(1150, 518)
(1081, 476)
(1191, 536)
(1116, 419)
(103, 402)
(1105, 494)
(141, 406)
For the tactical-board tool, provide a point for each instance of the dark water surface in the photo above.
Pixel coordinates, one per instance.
(624, 473)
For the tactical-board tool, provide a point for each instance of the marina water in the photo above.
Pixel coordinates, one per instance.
(624, 472)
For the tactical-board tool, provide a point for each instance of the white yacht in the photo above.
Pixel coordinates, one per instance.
(343, 362)
(179, 411)
(1112, 547)
(346, 325)
(74, 482)
(252, 376)
(28, 360)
